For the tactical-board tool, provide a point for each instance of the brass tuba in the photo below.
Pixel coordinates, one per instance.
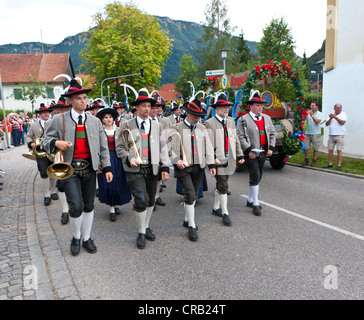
(183, 154)
(130, 144)
(59, 170)
(36, 152)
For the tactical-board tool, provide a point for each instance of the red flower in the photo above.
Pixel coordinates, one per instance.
(244, 112)
(294, 77)
(304, 114)
(284, 63)
(299, 108)
(269, 61)
(303, 99)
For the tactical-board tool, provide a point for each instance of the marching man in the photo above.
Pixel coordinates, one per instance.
(227, 150)
(85, 146)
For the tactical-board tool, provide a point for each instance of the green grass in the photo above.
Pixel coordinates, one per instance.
(349, 165)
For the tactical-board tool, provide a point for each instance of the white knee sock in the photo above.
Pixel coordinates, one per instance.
(190, 215)
(148, 216)
(64, 203)
(46, 191)
(255, 194)
(112, 209)
(224, 201)
(52, 185)
(250, 197)
(217, 200)
(76, 226)
(88, 218)
(141, 219)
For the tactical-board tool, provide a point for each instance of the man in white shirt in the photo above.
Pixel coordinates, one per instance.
(313, 134)
(336, 124)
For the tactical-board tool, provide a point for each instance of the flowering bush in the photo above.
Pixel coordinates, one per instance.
(207, 82)
(276, 70)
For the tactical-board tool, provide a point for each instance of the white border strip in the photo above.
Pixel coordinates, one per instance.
(323, 224)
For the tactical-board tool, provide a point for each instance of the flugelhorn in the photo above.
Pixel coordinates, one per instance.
(130, 144)
(35, 152)
(59, 170)
(183, 153)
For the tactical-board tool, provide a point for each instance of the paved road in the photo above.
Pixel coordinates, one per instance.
(308, 244)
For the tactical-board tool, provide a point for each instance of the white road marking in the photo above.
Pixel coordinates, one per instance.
(323, 224)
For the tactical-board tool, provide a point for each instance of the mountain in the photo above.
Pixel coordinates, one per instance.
(183, 33)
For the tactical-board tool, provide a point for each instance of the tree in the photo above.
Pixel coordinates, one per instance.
(123, 41)
(277, 43)
(217, 36)
(242, 59)
(32, 91)
(188, 72)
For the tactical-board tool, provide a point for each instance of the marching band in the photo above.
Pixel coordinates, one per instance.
(131, 157)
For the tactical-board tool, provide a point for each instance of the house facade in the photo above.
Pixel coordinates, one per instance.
(18, 70)
(344, 70)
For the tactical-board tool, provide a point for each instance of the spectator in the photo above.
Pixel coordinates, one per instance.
(337, 131)
(15, 127)
(8, 124)
(313, 134)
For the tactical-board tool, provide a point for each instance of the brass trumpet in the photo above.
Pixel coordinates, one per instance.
(36, 152)
(59, 170)
(130, 144)
(183, 154)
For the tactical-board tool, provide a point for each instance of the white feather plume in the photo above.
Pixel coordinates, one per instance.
(253, 92)
(63, 76)
(130, 87)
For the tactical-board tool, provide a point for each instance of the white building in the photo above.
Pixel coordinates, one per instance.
(16, 70)
(344, 70)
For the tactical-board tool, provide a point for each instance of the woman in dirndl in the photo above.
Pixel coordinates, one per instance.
(117, 192)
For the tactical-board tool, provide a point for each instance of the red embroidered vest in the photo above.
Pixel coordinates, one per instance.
(263, 137)
(82, 150)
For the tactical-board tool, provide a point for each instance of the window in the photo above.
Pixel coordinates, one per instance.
(50, 93)
(17, 94)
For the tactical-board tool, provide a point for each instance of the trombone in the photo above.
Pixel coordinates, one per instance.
(130, 144)
(183, 153)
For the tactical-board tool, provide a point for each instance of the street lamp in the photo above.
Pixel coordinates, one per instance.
(224, 53)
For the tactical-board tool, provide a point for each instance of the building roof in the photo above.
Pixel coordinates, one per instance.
(18, 67)
(168, 92)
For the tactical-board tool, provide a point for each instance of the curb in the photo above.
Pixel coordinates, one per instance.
(351, 175)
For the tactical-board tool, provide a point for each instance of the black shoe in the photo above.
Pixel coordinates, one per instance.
(217, 212)
(185, 224)
(112, 216)
(47, 201)
(250, 205)
(328, 166)
(141, 241)
(117, 211)
(149, 234)
(75, 246)
(97, 193)
(339, 168)
(226, 220)
(64, 218)
(160, 202)
(163, 185)
(228, 193)
(89, 246)
(192, 234)
(160, 189)
(54, 196)
(257, 211)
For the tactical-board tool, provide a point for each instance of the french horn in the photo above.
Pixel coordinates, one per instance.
(59, 170)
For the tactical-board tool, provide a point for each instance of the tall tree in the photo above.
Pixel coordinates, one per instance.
(277, 43)
(123, 41)
(187, 72)
(242, 59)
(217, 36)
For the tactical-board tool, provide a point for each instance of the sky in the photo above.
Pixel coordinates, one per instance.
(51, 21)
